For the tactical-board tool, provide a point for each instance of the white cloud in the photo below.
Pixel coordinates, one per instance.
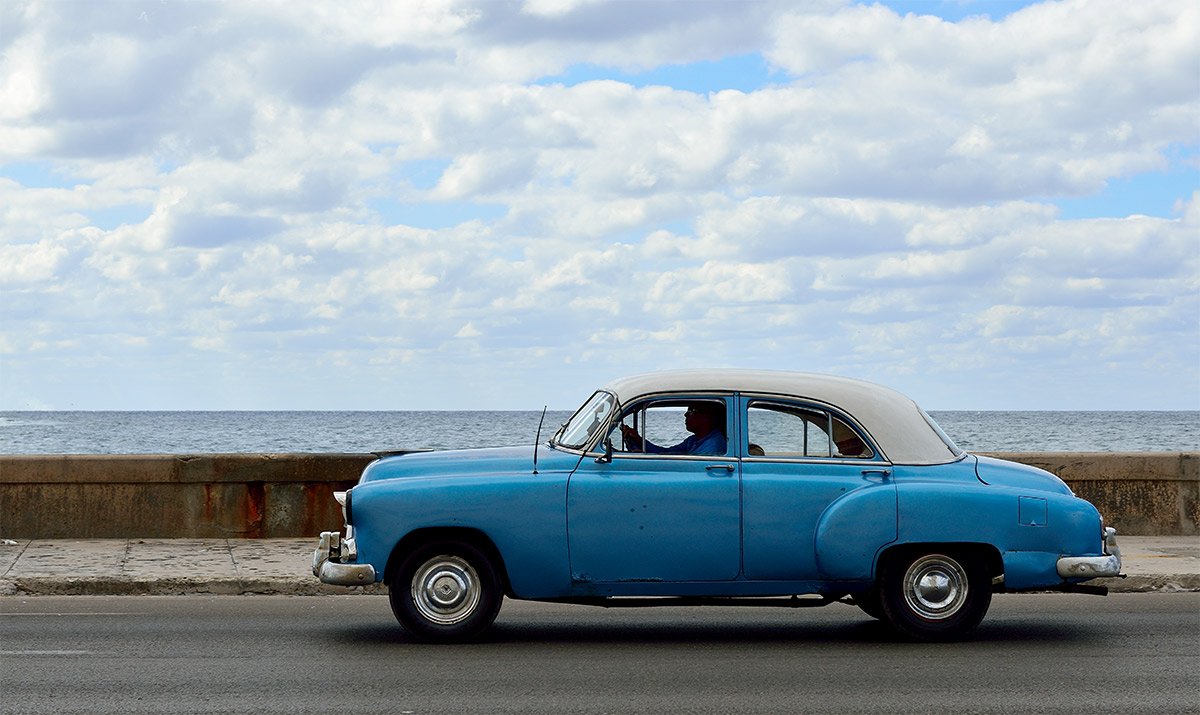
(30, 263)
(883, 208)
(475, 174)
(468, 331)
(21, 80)
(553, 8)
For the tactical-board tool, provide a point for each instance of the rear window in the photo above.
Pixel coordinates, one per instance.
(942, 435)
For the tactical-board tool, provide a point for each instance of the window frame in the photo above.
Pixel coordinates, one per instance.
(792, 404)
(582, 447)
(640, 403)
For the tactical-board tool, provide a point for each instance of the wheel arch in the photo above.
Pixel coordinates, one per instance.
(428, 535)
(991, 555)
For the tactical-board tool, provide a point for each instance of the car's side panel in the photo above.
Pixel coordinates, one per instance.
(1072, 529)
(854, 529)
(787, 503)
(948, 504)
(990, 470)
(522, 514)
(646, 519)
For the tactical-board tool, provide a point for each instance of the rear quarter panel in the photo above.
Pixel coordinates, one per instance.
(948, 504)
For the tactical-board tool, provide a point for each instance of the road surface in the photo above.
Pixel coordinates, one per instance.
(1053, 653)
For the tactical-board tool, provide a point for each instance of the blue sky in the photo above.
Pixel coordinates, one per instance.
(457, 205)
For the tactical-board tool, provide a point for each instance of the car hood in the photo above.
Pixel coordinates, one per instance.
(1000, 472)
(491, 461)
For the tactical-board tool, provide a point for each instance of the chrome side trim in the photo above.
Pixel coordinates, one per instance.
(1094, 566)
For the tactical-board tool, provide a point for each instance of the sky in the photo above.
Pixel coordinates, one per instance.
(444, 204)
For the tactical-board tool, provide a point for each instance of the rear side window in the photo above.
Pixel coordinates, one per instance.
(776, 429)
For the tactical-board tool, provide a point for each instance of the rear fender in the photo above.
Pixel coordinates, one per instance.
(1028, 529)
(853, 530)
(991, 557)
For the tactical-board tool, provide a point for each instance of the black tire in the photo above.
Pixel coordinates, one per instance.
(871, 603)
(936, 595)
(445, 592)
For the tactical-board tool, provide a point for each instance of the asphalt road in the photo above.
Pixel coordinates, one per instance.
(1126, 653)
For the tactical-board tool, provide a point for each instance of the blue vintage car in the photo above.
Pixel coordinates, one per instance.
(717, 486)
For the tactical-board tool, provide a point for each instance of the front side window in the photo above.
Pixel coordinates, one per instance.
(586, 422)
(673, 426)
(783, 430)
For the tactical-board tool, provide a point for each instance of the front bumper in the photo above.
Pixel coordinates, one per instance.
(333, 562)
(1094, 566)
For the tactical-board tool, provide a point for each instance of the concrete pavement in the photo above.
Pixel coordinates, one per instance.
(283, 566)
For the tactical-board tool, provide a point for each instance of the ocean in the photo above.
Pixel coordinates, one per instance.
(360, 432)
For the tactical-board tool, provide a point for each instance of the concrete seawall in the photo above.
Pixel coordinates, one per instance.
(236, 496)
(291, 495)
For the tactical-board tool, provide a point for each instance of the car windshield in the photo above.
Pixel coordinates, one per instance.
(587, 421)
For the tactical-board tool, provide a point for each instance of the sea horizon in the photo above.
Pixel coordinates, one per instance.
(364, 431)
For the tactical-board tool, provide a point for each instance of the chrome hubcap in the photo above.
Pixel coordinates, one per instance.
(445, 590)
(935, 587)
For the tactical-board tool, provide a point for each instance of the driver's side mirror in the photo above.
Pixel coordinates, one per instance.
(608, 451)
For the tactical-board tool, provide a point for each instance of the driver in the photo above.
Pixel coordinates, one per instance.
(703, 419)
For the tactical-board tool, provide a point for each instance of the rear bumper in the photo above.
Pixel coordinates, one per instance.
(1109, 564)
(333, 562)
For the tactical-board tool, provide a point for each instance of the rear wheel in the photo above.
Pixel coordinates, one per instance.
(445, 592)
(935, 595)
(871, 603)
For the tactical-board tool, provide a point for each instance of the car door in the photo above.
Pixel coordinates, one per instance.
(810, 482)
(644, 517)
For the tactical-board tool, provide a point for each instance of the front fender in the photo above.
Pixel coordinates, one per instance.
(521, 514)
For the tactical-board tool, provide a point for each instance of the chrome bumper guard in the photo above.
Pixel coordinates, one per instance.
(333, 562)
(1094, 566)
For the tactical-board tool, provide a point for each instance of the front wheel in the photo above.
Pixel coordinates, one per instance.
(446, 592)
(936, 595)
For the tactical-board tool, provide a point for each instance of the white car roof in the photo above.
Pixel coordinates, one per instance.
(893, 421)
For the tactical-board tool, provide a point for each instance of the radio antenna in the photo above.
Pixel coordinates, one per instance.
(537, 440)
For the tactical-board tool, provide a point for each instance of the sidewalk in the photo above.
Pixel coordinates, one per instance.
(284, 566)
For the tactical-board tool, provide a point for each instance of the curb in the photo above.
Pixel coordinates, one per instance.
(105, 586)
(1161, 583)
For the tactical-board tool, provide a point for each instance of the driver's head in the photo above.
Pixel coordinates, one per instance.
(703, 417)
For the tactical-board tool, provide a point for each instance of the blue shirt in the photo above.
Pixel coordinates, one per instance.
(712, 444)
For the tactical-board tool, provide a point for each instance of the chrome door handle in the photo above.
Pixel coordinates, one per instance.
(883, 473)
(717, 467)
